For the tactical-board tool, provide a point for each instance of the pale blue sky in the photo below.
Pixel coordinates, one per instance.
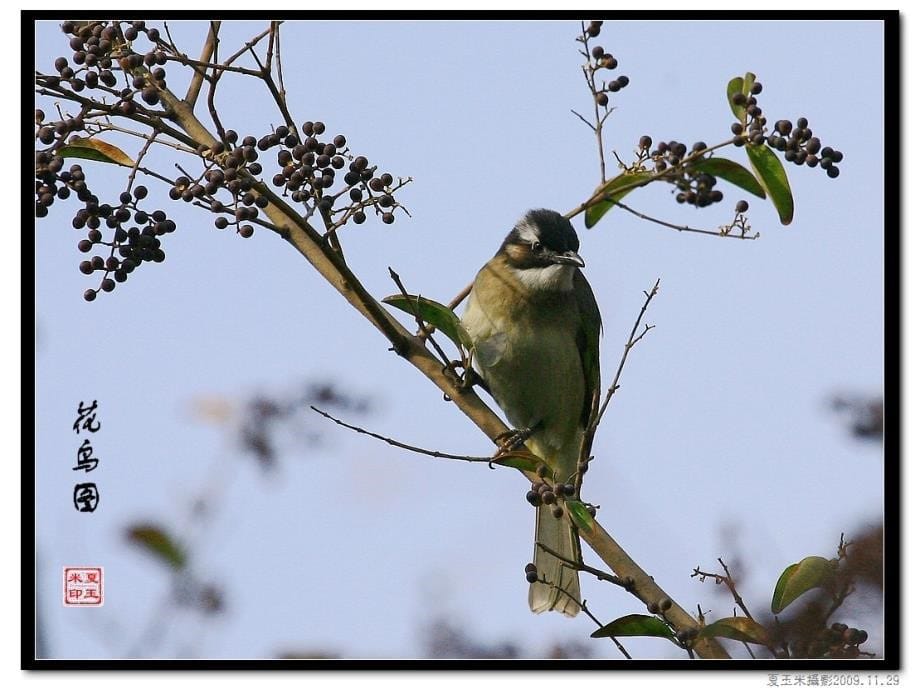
(721, 420)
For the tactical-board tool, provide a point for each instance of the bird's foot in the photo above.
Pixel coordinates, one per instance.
(513, 439)
(467, 375)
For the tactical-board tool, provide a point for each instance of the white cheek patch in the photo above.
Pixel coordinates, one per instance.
(557, 277)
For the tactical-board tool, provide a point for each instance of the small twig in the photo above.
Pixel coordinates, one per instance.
(730, 583)
(684, 228)
(583, 605)
(598, 127)
(580, 565)
(98, 127)
(266, 73)
(581, 117)
(418, 319)
(591, 429)
(633, 339)
(405, 446)
(462, 295)
(281, 89)
(247, 47)
(140, 156)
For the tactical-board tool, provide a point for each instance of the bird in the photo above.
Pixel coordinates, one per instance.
(535, 327)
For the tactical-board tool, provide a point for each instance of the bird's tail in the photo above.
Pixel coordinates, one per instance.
(557, 586)
(563, 593)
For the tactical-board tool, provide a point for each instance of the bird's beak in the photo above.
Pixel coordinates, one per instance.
(569, 258)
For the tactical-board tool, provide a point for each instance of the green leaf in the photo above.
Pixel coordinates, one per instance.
(438, 315)
(155, 540)
(580, 515)
(733, 172)
(614, 190)
(798, 578)
(742, 86)
(772, 175)
(519, 459)
(95, 150)
(736, 85)
(633, 625)
(738, 628)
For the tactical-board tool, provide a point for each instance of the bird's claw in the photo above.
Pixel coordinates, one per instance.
(512, 439)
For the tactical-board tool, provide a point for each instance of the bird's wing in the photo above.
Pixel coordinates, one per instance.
(588, 340)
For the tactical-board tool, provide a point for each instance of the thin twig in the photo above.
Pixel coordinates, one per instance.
(630, 343)
(583, 605)
(281, 89)
(685, 228)
(455, 302)
(405, 446)
(418, 318)
(730, 583)
(140, 156)
(246, 47)
(580, 565)
(591, 429)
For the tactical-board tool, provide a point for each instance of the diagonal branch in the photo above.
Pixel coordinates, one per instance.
(207, 51)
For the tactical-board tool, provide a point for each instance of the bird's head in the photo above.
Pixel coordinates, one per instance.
(542, 251)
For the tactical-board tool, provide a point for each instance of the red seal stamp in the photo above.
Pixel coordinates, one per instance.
(82, 586)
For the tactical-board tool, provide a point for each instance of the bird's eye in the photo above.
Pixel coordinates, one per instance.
(536, 247)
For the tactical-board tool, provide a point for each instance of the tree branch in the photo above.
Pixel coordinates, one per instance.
(207, 51)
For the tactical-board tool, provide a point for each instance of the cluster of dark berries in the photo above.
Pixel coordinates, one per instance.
(544, 493)
(600, 59)
(672, 153)
(129, 246)
(693, 186)
(101, 48)
(309, 169)
(802, 147)
(530, 573)
(49, 164)
(838, 641)
(696, 189)
(797, 142)
(54, 133)
(232, 170)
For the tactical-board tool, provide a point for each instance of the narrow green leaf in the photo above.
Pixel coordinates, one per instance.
(635, 624)
(733, 172)
(95, 150)
(798, 578)
(580, 515)
(438, 315)
(519, 459)
(736, 628)
(736, 85)
(614, 190)
(772, 176)
(155, 540)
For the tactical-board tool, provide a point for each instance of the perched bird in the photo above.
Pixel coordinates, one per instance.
(535, 328)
